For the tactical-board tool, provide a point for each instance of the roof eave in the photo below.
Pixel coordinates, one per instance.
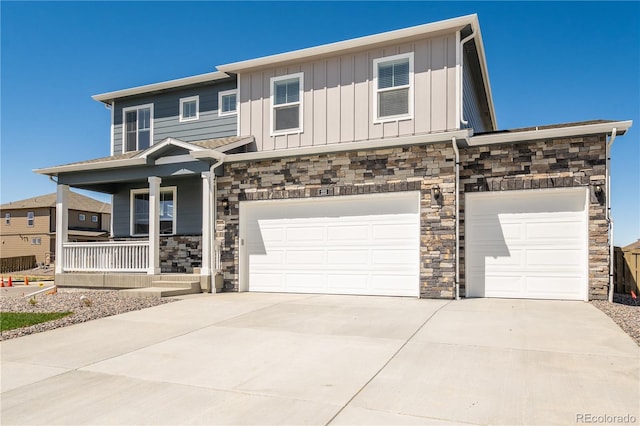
(558, 132)
(109, 97)
(335, 48)
(55, 171)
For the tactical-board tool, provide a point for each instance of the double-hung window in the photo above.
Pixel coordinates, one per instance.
(94, 218)
(138, 127)
(227, 102)
(140, 211)
(393, 87)
(30, 219)
(7, 218)
(189, 108)
(82, 217)
(286, 104)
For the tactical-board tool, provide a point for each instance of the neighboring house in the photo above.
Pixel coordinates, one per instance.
(369, 166)
(29, 226)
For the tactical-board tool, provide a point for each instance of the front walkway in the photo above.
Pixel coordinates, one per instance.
(307, 359)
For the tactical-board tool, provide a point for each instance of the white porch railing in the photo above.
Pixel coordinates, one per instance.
(107, 256)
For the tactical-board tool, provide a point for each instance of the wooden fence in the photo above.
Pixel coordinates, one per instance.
(19, 263)
(626, 270)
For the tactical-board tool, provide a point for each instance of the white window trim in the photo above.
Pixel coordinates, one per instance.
(7, 218)
(33, 219)
(36, 241)
(82, 217)
(299, 75)
(190, 99)
(173, 189)
(226, 93)
(409, 115)
(124, 130)
(94, 218)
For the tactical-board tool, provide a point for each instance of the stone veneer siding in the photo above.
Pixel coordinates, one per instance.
(413, 168)
(552, 163)
(180, 253)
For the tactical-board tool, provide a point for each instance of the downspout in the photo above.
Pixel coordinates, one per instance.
(612, 138)
(454, 143)
(212, 222)
(461, 76)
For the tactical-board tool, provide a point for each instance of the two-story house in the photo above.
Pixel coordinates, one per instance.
(368, 166)
(29, 226)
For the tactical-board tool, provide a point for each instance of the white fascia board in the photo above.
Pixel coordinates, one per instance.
(558, 132)
(169, 141)
(349, 146)
(110, 164)
(335, 48)
(108, 97)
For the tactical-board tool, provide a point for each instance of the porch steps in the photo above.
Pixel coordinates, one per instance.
(164, 288)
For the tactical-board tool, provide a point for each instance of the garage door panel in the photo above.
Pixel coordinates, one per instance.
(396, 256)
(348, 233)
(340, 244)
(348, 257)
(559, 287)
(304, 281)
(566, 230)
(271, 258)
(306, 234)
(528, 244)
(347, 283)
(505, 286)
(305, 257)
(404, 285)
(552, 257)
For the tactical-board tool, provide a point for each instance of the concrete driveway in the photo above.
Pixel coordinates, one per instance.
(309, 359)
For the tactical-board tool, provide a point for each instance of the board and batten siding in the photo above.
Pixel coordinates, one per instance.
(166, 115)
(188, 212)
(338, 97)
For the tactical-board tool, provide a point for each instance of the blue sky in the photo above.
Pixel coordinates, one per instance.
(549, 62)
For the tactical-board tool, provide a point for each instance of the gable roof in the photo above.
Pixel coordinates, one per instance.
(144, 157)
(76, 202)
(632, 246)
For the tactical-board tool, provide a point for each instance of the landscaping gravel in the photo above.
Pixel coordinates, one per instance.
(85, 304)
(623, 311)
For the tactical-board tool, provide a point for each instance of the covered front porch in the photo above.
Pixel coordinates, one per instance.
(163, 232)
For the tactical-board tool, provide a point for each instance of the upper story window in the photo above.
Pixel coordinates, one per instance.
(7, 218)
(82, 217)
(138, 127)
(286, 105)
(189, 108)
(30, 218)
(393, 87)
(227, 102)
(94, 218)
(36, 241)
(140, 211)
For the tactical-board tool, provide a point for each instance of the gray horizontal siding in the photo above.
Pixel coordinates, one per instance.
(188, 203)
(166, 115)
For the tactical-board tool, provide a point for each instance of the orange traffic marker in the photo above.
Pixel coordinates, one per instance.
(10, 283)
(26, 280)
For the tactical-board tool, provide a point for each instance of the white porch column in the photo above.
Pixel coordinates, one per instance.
(154, 225)
(62, 224)
(206, 224)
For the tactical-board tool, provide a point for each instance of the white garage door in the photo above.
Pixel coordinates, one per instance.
(367, 244)
(527, 244)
